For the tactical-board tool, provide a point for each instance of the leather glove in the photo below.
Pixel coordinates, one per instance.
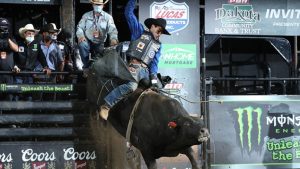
(154, 82)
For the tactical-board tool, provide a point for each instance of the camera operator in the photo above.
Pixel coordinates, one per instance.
(7, 49)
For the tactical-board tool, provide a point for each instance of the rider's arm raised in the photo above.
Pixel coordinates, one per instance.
(135, 27)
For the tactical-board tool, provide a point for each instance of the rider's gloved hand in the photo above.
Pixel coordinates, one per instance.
(154, 81)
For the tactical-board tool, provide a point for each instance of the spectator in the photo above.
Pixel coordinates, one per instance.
(7, 48)
(67, 50)
(92, 31)
(28, 54)
(51, 50)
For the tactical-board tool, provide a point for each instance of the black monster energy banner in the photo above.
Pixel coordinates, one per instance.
(255, 132)
(46, 2)
(252, 17)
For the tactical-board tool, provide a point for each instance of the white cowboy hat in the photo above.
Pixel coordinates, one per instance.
(28, 27)
(98, 2)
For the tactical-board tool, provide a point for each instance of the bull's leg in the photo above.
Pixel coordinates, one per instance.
(190, 154)
(151, 163)
(149, 159)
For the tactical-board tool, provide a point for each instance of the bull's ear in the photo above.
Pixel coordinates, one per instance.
(172, 124)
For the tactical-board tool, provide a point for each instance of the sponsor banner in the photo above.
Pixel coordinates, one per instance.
(42, 2)
(48, 155)
(252, 17)
(36, 88)
(178, 56)
(255, 132)
(176, 14)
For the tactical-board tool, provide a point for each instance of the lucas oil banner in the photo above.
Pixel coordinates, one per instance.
(252, 17)
(255, 132)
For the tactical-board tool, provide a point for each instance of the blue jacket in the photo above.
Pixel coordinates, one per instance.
(137, 29)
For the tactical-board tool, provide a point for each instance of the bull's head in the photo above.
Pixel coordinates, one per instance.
(192, 128)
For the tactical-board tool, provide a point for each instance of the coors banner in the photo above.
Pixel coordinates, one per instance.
(180, 55)
(48, 155)
(180, 51)
(252, 17)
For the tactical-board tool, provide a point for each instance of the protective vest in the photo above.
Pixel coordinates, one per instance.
(144, 48)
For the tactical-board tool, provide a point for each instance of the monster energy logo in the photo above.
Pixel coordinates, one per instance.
(249, 113)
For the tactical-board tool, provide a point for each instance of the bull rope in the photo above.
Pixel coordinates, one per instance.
(130, 122)
(193, 102)
(100, 93)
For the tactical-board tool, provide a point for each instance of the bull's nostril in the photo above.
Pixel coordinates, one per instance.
(202, 131)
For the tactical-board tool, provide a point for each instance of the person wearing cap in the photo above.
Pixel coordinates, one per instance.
(51, 50)
(93, 30)
(29, 53)
(7, 48)
(144, 52)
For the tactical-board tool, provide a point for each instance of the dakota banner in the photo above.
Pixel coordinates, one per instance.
(252, 17)
(255, 132)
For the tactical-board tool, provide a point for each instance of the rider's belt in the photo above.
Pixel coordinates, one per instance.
(136, 61)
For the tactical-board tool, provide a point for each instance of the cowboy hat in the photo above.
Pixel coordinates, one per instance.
(158, 22)
(50, 27)
(28, 27)
(98, 2)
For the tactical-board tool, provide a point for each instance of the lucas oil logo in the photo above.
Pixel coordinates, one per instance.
(249, 127)
(176, 14)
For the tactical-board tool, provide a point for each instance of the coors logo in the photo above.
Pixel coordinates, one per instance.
(176, 14)
(71, 154)
(5, 158)
(29, 155)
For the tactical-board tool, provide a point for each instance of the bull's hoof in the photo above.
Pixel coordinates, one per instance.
(104, 112)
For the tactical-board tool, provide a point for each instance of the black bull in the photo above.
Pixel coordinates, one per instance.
(161, 126)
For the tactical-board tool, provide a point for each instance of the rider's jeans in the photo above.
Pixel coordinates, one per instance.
(85, 47)
(117, 94)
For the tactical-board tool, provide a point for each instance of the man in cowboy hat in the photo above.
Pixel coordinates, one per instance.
(29, 50)
(28, 55)
(93, 29)
(144, 52)
(50, 49)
